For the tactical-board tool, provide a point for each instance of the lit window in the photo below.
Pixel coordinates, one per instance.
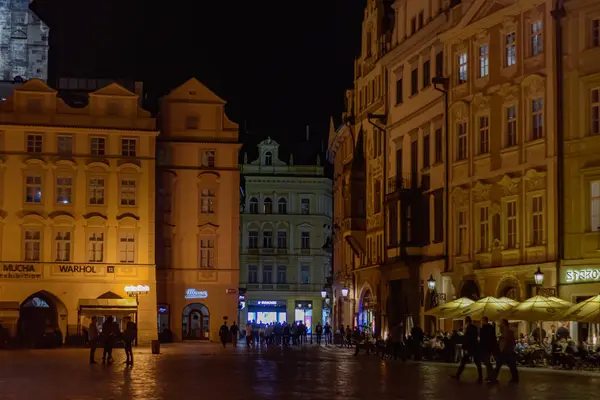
(97, 146)
(96, 190)
(484, 229)
(537, 45)
(484, 134)
(65, 145)
(462, 141)
(511, 49)
(462, 68)
(33, 245)
(484, 61)
(63, 246)
(511, 126)
(128, 147)
(33, 189)
(595, 206)
(207, 253)
(127, 247)
(595, 112)
(207, 201)
(127, 192)
(96, 247)
(537, 221)
(64, 189)
(537, 119)
(34, 143)
(511, 224)
(462, 233)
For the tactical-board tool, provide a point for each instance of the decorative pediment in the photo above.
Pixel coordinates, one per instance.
(495, 209)
(460, 196)
(208, 228)
(460, 111)
(305, 225)
(509, 185)
(481, 37)
(535, 180)
(113, 90)
(509, 92)
(481, 102)
(62, 218)
(481, 191)
(535, 84)
(509, 25)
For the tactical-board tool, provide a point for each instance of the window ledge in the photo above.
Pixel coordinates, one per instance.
(509, 149)
(460, 162)
(481, 156)
(535, 141)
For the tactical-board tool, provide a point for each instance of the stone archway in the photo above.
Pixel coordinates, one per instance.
(509, 287)
(470, 290)
(42, 320)
(195, 322)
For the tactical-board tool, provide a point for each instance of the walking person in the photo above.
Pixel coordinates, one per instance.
(342, 335)
(223, 331)
(348, 336)
(249, 335)
(319, 330)
(506, 355)
(235, 330)
(93, 339)
(487, 346)
(397, 344)
(327, 331)
(470, 350)
(129, 335)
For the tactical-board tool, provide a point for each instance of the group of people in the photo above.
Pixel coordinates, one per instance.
(108, 336)
(274, 334)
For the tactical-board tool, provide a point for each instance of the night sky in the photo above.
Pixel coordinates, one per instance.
(280, 65)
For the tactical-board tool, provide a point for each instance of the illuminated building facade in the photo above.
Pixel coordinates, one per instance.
(23, 42)
(77, 201)
(500, 60)
(198, 214)
(285, 222)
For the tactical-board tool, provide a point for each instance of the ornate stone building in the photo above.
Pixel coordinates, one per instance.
(285, 222)
(77, 212)
(23, 42)
(501, 64)
(198, 213)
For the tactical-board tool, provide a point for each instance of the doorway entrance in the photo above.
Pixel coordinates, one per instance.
(38, 325)
(195, 322)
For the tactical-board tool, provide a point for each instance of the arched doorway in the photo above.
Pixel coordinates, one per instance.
(366, 312)
(470, 290)
(195, 323)
(39, 322)
(509, 288)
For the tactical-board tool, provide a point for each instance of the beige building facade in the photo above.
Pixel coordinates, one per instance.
(578, 275)
(285, 223)
(500, 62)
(77, 220)
(198, 214)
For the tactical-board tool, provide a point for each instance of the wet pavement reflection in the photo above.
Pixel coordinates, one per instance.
(206, 371)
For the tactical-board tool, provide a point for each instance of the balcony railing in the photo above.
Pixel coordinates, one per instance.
(407, 182)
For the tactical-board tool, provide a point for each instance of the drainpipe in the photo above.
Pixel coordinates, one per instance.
(558, 14)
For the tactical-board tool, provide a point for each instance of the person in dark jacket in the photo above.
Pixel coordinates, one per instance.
(506, 353)
(470, 350)
(223, 333)
(488, 345)
(129, 335)
(235, 330)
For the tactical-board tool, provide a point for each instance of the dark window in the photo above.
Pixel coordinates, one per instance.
(393, 224)
(438, 216)
(596, 33)
(377, 197)
(399, 95)
(414, 82)
(425, 225)
(399, 165)
(421, 19)
(438, 145)
(439, 64)
(426, 73)
(414, 161)
(426, 151)
(413, 25)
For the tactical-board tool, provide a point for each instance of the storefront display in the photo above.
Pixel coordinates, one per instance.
(267, 311)
(303, 312)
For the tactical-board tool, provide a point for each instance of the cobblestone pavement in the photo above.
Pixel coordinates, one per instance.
(205, 371)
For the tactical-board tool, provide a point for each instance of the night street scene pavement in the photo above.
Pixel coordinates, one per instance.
(206, 371)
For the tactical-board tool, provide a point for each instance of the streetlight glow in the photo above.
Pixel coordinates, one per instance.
(345, 292)
(538, 277)
(323, 293)
(431, 283)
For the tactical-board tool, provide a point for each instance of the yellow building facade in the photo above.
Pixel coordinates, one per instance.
(198, 214)
(578, 276)
(503, 164)
(77, 219)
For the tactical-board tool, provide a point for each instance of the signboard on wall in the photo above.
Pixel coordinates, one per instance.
(21, 271)
(196, 294)
(580, 275)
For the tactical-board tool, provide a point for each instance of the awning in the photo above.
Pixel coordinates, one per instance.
(114, 307)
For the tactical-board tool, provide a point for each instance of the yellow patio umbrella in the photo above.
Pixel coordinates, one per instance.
(490, 307)
(561, 301)
(449, 309)
(509, 301)
(537, 308)
(586, 311)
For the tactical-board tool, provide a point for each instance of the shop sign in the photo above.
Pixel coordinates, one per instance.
(163, 308)
(196, 294)
(266, 303)
(20, 271)
(231, 291)
(85, 269)
(582, 275)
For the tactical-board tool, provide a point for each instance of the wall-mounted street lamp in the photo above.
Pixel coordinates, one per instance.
(431, 283)
(345, 292)
(323, 293)
(136, 291)
(538, 277)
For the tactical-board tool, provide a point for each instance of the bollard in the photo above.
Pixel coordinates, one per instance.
(155, 347)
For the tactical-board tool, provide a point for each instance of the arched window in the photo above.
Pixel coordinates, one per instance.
(282, 206)
(268, 205)
(268, 158)
(253, 205)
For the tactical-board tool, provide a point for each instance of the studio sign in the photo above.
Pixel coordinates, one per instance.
(582, 275)
(196, 294)
(86, 269)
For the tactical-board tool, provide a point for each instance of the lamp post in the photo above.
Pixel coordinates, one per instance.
(136, 291)
(538, 278)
